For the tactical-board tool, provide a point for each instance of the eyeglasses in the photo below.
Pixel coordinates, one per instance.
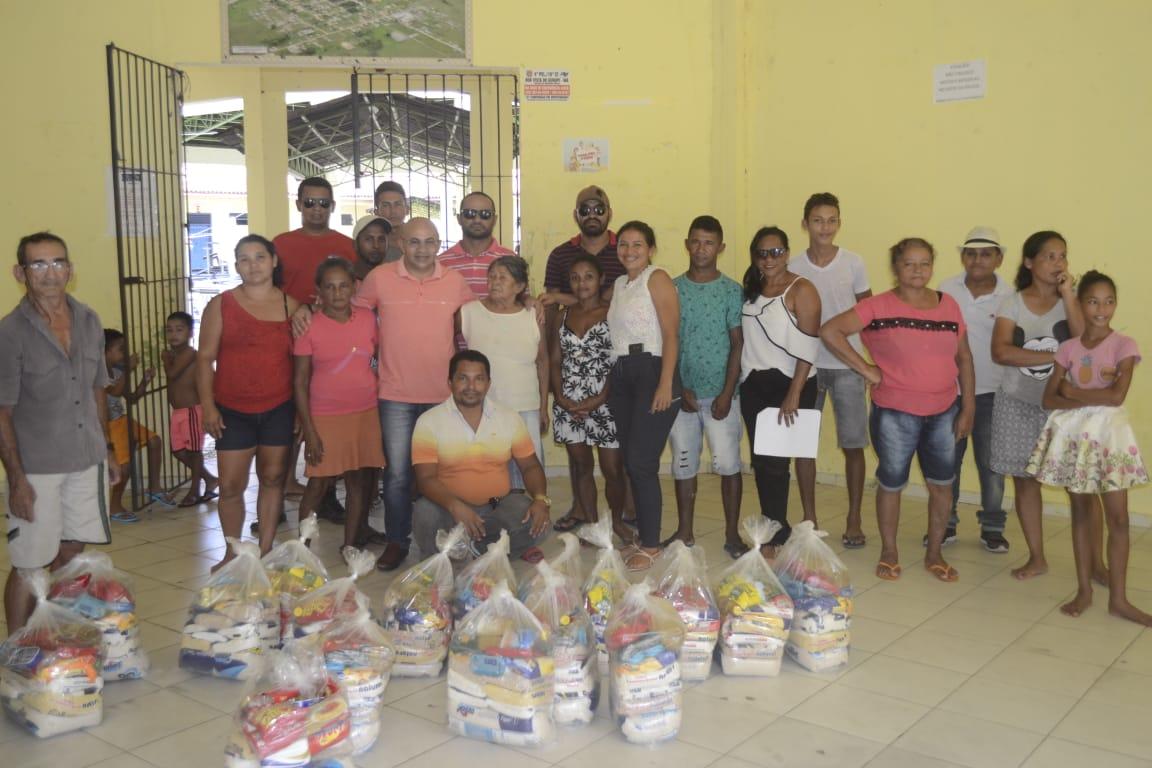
(588, 210)
(40, 267)
(471, 213)
(312, 202)
(775, 253)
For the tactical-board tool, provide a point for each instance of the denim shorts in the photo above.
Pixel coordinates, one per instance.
(849, 405)
(687, 440)
(243, 431)
(897, 435)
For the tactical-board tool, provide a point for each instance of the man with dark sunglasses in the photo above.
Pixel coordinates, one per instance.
(300, 252)
(592, 215)
(477, 248)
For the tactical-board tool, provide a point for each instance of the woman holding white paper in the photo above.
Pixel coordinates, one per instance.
(919, 342)
(780, 319)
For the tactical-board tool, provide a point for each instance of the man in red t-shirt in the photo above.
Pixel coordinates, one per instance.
(301, 250)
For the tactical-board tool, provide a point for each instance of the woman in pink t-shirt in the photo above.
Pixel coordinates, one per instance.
(335, 387)
(918, 340)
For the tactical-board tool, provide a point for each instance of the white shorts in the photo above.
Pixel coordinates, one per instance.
(69, 507)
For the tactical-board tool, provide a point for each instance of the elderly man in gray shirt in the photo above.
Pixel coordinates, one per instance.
(53, 421)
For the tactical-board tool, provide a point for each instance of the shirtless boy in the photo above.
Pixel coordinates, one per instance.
(186, 430)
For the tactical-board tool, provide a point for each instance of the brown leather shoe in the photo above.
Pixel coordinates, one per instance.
(392, 556)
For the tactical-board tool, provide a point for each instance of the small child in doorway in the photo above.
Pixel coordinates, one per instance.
(120, 367)
(186, 429)
(1088, 445)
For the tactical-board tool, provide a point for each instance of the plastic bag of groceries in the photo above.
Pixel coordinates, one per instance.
(417, 610)
(359, 656)
(684, 583)
(644, 637)
(91, 586)
(818, 582)
(336, 599)
(554, 598)
(50, 673)
(294, 570)
(477, 580)
(292, 714)
(605, 584)
(755, 610)
(234, 618)
(500, 674)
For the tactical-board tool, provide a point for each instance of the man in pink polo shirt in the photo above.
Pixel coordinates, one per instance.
(415, 299)
(478, 248)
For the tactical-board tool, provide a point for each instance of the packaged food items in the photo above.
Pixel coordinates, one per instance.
(359, 656)
(555, 600)
(644, 637)
(337, 599)
(501, 674)
(51, 680)
(417, 611)
(684, 584)
(234, 618)
(292, 714)
(91, 586)
(820, 587)
(479, 577)
(605, 584)
(755, 610)
(294, 571)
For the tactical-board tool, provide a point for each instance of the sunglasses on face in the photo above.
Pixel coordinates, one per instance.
(312, 202)
(589, 210)
(471, 213)
(774, 253)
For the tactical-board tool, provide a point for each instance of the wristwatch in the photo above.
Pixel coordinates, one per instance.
(544, 498)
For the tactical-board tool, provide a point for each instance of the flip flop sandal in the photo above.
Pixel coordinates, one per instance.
(735, 551)
(159, 498)
(668, 541)
(853, 542)
(943, 572)
(189, 501)
(647, 560)
(125, 517)
(209, 496)
(567, 523)
(888, 571)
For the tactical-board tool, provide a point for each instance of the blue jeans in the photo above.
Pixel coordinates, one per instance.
(397, 422)
(897, 436)
(991, 515)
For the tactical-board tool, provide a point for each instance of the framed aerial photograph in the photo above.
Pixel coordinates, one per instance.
(348, 32)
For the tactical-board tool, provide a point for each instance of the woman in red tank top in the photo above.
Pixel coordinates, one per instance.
(244, 375)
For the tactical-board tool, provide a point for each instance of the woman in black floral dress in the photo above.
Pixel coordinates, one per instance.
(581, 358)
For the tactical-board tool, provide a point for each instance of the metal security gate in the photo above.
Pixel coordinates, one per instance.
(441, 136)
(144, 107)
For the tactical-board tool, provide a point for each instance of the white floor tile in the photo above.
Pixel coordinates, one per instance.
(938, 649)
(894, 757)
(613, 750)
(1138, 657)
(402, 737)
(873, 635)
(123, 760)
(1108, 727)
(718, 725)
(1073, 644)
(1044, 673)
(1013, 705)
(789, 743)
(860, 713)
(969, 741)
(903, 679)
(775, 695)
(1058, 753)
(975, 624)
(1120, 688)
(75, 750)
(195, 747)
(141, 720)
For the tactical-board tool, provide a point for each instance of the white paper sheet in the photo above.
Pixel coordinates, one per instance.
(799, 440)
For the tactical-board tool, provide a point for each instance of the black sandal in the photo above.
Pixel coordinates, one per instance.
(567, 523)
(735, 549)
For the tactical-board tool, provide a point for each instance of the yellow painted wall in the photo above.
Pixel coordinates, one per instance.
(739, 108)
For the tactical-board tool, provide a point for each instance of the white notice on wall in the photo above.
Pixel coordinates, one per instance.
(959, 81)
(547, 84)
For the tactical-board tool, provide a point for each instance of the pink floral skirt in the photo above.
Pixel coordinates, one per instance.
(1088, 450)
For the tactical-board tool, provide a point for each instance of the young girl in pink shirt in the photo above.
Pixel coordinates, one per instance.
(1088, 445)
